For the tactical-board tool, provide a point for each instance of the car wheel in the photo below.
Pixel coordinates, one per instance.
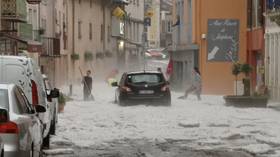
(121, 102)
(2, 153)
(53, 127)
(31, 154)
(46, 141)
(167, 102)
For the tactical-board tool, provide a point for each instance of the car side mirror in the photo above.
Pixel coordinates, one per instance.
(54, 93)
(40, 109)
(114, 84)
(3, 115)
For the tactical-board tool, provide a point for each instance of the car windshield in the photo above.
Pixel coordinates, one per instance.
(144, 78)
(4, 101)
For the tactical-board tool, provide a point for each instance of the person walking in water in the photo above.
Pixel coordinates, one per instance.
(87, 82)
(196, 85)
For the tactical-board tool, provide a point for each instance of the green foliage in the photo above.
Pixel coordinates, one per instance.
(75, 56)
(246, 69)
(100, 55)
(276, 19)
(88, 56)
(236, 69)
(61, 98)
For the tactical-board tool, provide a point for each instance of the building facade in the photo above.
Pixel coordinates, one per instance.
(272, 50)
(153, 32)
(134, 27)
(53, 24)
(210, 37)
(255, 42)
(166, 23)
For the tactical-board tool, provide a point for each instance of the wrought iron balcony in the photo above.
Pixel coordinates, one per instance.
(126, 2)
(34, 1)
(13, 10)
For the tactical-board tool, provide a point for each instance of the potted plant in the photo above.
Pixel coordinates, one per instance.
(88, 56)
(99, 55)
(236, 71)
(246, 69)
(246, 100)
(75, 56)
(61, 102)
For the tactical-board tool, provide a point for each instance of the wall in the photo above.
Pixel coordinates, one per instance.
(272, 58)
(216, 76)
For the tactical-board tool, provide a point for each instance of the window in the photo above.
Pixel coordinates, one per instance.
(23, 106)
(80, 29)
(109, 34)
(4, 99)
(138, 3)
(30, 16)
(134, 2)
(255, 13)
(169, 25)
(144, 78)
(90, 31)
(90, 1)
(102, 33)
(80, 1)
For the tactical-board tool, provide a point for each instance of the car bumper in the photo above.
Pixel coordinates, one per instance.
(147, 97)
(17, 153)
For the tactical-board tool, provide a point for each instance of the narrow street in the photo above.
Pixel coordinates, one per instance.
(189, 127)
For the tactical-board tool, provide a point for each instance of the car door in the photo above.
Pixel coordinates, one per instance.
(33, 125)
(121, 83)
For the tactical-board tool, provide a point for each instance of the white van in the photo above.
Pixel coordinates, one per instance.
(25, 73)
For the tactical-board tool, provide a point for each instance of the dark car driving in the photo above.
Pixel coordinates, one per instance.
(143, 86)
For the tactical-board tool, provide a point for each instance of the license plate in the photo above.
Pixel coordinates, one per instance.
(146, 92)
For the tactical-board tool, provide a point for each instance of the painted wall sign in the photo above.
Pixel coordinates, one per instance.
(223, 40)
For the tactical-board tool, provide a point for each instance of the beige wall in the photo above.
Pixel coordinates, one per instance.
(216, 76)
(154, 29)
(94, 15)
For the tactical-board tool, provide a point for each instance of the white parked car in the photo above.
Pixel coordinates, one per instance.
(24, 72)
(53, 103)
(1, 147)
(20, 126)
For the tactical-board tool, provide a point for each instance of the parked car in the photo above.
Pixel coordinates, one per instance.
(142, 86)
(1, 147)
(24, 72)
(53, 103)
(20, 127)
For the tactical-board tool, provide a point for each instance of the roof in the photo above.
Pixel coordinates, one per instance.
(13, 57)
(144, 71)
(6, 86)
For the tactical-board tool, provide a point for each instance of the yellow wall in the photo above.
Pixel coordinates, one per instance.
(216, 76)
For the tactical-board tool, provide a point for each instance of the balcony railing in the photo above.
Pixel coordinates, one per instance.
(33, 1)
(13, 10)
(51, 47)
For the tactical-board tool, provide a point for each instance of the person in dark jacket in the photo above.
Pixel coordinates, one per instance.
(87, 81)
(196, 85)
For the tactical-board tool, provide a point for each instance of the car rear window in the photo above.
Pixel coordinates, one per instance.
(4, 99)
(144, 78)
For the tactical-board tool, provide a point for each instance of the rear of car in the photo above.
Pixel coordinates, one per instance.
(20, 129)
(144, 87)
(24, 72)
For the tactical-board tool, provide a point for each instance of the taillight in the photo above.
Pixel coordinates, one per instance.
(165, 88)
(9, 128)
(35, 98)
(126, 89)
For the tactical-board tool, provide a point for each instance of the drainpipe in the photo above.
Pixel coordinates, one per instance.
(104, 26)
